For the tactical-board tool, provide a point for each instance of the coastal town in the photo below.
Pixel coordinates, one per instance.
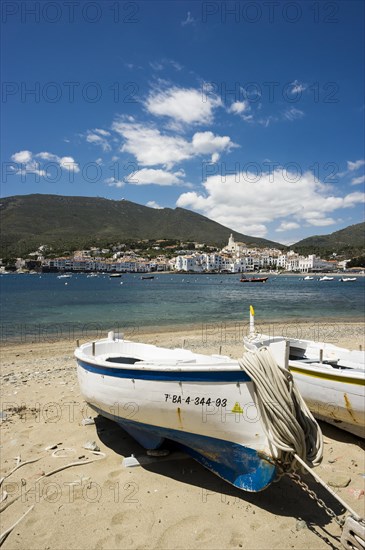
(193, 257)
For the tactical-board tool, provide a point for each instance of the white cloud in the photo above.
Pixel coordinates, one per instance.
(151, 147)
(26, 164)
(156, 65)
(22, 157)
(98, 137)
(68, 163)
(50, 157)
(320, 221)
(358, 181)
(287, 226)
(352, 166)
(113, 182)
(206, 143)
(297, 87)
(239, 107)
(353, 198)
(165, 63)
(244, 201)
(293, 114)
(267, 120)
(101, 132)
(148, 176)
(189, 20)
(153, 204)
(29, 164)
(183, 105)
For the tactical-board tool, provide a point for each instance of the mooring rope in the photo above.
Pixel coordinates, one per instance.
(288, 424)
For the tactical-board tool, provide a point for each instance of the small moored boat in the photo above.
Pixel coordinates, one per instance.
(147, 277)
(326, 278)
(348, 279)
(245, 279)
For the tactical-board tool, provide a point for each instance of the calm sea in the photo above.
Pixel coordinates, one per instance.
(34, 304)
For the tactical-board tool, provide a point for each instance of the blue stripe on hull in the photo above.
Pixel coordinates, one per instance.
(237, 464)
(178, 376)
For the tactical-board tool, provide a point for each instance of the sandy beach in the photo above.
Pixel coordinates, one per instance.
(165, 503)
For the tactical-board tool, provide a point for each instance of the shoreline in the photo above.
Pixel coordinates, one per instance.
(345, 333)
(346, 273)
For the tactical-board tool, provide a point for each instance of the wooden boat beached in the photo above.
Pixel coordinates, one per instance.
(240, 426)
(330, 379)
(203, 403)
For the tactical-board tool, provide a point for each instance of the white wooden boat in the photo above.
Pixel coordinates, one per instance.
(326, 278)
(308, 278)
(204, 403)
(330, 379)
(348, 279)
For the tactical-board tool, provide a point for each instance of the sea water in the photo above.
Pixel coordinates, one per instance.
(36, 303)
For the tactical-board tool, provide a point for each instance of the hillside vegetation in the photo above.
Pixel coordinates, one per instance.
(349, 242)
(68, 223)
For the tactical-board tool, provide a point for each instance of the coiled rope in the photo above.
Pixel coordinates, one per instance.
(288, 424)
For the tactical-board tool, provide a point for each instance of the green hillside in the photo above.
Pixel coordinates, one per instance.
(349, 241)
(67, 223)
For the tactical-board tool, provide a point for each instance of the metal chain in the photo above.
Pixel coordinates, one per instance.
(295, 477)
(298, 480)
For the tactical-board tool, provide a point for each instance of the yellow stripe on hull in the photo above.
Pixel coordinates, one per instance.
(328, 376)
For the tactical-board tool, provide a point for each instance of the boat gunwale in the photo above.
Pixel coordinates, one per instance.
(346, 375)
(161, 365)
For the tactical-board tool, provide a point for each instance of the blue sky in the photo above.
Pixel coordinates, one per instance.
(250, 113)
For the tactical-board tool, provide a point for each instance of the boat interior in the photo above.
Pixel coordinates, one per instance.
(117, 351)
(353, 360)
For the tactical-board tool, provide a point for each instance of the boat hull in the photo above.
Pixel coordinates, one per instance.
(254, 280)
(333, 394)
(211, 414)
(334, 398)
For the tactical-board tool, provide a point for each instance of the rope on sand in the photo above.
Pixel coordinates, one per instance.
(71, 464)
(9, 530)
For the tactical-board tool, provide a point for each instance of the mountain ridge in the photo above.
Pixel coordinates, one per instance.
(70, 222)
(28, 221)
(350, 240)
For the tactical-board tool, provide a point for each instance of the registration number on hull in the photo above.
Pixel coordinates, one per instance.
(178, 399)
